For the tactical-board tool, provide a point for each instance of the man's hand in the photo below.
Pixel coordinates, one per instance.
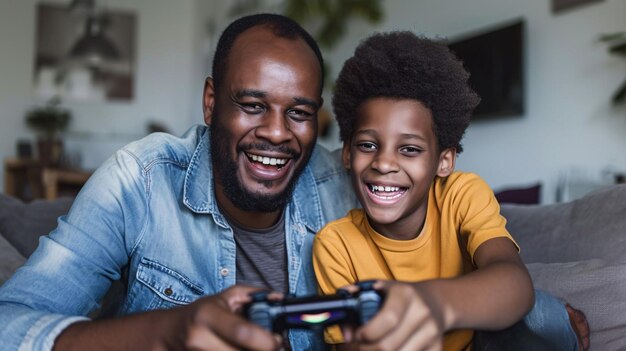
(215, 323)
(210, 323)
(408, 320)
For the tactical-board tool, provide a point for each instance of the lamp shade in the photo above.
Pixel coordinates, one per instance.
(94, 46)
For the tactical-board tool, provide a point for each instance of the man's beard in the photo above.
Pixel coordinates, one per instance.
(226, 169)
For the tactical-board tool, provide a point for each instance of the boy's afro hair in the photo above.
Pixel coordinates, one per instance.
(402, 65)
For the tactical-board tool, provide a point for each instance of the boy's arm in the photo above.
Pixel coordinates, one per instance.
(416, 315)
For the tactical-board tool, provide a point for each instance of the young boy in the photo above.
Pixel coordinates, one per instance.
(434, 237)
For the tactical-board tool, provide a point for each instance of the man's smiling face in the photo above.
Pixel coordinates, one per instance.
(264, 120)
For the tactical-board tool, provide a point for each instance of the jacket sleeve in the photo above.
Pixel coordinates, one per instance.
(67, 276)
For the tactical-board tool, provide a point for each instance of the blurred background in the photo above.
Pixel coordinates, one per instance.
(80, 79)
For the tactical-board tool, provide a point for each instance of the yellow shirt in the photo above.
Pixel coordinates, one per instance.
(462, 214)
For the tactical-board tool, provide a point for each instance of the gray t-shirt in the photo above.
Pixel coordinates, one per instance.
(261, 256)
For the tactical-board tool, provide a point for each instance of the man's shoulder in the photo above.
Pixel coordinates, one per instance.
(166, 148)
(324, 193)
(325, 163)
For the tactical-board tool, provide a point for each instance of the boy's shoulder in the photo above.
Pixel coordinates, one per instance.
(460, 188)
(349, 223)
(459, 181)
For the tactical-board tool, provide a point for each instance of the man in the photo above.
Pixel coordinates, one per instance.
(177, 219)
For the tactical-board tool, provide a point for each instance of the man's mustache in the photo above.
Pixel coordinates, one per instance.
(269, 147)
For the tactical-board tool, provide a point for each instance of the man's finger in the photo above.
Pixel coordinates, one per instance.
(234, 329)
(244, 334)
(237, 296)
(202, 339)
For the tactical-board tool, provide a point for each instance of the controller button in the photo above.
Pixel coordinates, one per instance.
(343, 293)
(366, 284)
(258, 296)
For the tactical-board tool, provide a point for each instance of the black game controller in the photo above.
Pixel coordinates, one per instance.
(315, 312)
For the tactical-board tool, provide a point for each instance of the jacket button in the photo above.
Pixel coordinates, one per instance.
(168, 291)
(224, 272)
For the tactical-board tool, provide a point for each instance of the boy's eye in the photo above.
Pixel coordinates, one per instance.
(411, 150)
(366, 146)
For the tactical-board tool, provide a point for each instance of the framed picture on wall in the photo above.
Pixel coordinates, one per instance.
(562, 5)
(84, 54)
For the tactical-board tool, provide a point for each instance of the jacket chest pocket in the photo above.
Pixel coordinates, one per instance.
(168, 287)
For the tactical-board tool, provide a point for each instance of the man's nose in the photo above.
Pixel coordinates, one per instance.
(274, 128)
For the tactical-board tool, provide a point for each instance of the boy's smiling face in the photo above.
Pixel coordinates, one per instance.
(393, 157)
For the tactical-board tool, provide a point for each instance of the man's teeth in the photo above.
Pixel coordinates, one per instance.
(268, 160)
(384, 188)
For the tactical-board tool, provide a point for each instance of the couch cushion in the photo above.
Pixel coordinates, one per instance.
(10, 259)
(597, 288)
(22, 223)
(591, 227)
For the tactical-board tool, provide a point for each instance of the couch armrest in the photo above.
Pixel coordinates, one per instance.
(591, 227)
(10, 259)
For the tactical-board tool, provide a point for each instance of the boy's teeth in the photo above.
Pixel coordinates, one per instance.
(268, 160)
(385, 188)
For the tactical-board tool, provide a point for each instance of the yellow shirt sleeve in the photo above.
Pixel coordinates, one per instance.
(477, 210)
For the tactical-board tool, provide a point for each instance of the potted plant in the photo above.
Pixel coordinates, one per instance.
(49, 122)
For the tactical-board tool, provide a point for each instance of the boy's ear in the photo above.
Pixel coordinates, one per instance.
(447, 160)
(208, 100)
(345, 155)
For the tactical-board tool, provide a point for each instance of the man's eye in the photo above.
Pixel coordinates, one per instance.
(252, 108)
(300, 115)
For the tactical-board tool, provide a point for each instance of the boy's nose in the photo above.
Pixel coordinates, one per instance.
(385, 162)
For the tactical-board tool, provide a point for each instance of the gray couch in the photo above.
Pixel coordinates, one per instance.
(575, 250)
(20, 227)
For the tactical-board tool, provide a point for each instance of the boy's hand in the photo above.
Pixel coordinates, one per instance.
(408, 320)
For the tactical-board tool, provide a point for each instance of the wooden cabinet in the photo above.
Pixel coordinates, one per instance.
(27, 179)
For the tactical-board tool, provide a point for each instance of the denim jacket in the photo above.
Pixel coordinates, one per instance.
(149, 216)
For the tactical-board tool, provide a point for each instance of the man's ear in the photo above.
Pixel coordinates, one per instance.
(208, 100)
(447, 160)
(345, 155)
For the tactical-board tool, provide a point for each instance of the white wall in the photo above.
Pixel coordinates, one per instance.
(165, 78)
(570, 78)
(569, 121)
